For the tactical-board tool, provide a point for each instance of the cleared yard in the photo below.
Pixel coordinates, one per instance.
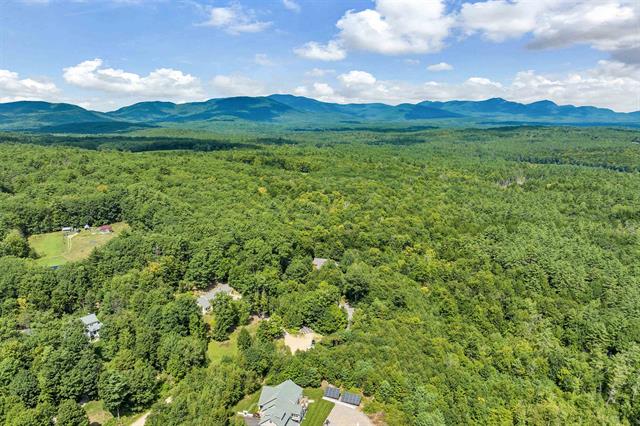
(54, 248)
(229, 348)
(99, 416)
(300, 341)
(347, 416)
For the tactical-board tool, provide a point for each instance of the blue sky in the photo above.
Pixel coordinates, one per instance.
(103, 54)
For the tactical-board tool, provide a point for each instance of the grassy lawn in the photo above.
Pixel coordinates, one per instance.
(313, 393)
(55, 249)
(317, 413)
(249, 403)
(96, 412)
(98, 415)
(218, 350)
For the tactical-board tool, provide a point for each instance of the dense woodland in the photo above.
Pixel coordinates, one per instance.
(495, 274)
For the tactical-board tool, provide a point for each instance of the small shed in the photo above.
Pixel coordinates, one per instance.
(67, 229)
(105, 229)
(87, 227)
(92, 326)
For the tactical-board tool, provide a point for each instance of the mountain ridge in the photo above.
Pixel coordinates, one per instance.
(288, 110)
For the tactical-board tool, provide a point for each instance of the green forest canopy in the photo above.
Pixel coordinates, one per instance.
(495, 274)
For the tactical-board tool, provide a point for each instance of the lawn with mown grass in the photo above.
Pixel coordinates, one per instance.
(55, 248)
(317, 413)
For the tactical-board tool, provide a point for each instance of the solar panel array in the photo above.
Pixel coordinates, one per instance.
(332, 392)
(351, 398)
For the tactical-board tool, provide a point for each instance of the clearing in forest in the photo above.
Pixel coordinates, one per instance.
(58, 248)
(229, 348)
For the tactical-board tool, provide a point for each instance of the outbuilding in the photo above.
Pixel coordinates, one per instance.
(91, 326)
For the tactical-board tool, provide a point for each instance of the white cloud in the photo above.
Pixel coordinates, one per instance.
(607, 25)
(332, 51)
(397, 27)
(319, 72)
(291, 5)
(13, 88)
(237, 85)
(357, 78)
(441, 66)
(263, 59)
(498, 20)
(162, 83)
(235, 19)
(320, 91)
(607, 85)
(610, 84)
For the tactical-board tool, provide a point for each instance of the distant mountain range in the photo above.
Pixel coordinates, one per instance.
(295, 112)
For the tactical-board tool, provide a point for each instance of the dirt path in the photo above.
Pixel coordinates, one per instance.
(142, 420)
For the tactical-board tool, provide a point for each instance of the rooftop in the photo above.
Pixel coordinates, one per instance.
(89, 319)
(279, 403)
(204, 301)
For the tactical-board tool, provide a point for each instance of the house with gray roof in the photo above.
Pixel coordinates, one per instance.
(282, 405)
(91, 326)
(204, 301)
(319, 262)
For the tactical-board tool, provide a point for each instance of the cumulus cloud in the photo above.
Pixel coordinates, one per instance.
(237, 85)
(397, 27)
(235, 19)
(291, 5)
(607, 25)
(163, 83)
(607, 85)
(442, 66)
(320, 91)
(13, 88)
(332, 51)
(357, 78)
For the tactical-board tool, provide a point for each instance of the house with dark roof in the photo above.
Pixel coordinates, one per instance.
(91, 326)
(281, 405)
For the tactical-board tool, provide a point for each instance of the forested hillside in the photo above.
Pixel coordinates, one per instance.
(495, 274)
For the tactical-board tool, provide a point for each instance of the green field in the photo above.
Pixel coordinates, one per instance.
(229, 348)
(318, 410)
(54, 248)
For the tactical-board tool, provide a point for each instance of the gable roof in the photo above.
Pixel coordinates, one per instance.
(89, 319)
(279, 403)
(91, 323)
